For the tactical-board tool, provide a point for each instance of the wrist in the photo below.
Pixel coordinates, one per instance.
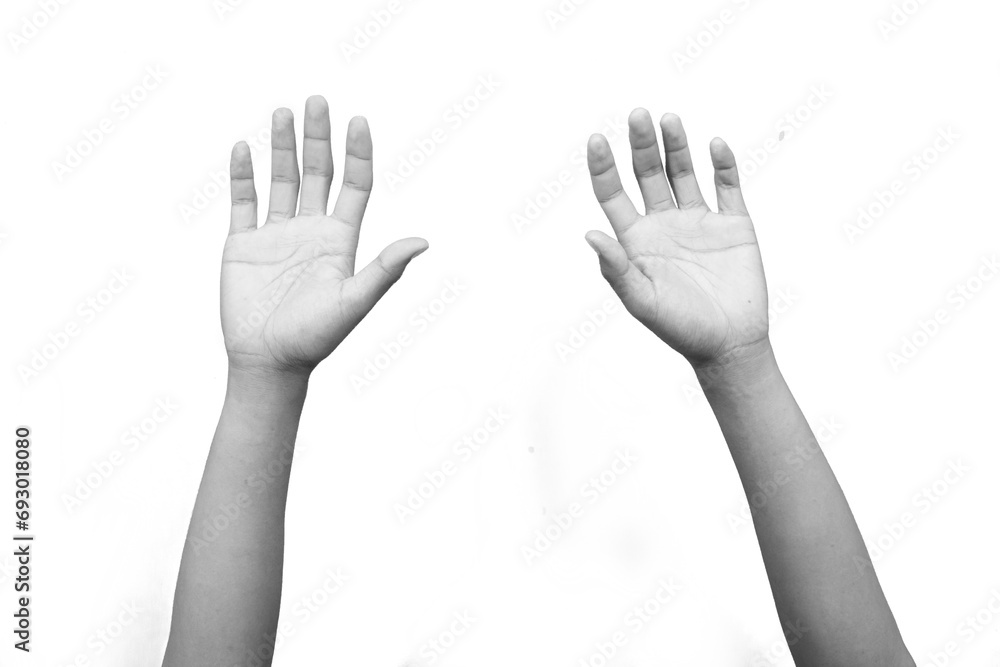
(266, 386)
(742, 368)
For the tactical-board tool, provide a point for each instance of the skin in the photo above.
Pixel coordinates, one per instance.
(290, 295)
(694, 277)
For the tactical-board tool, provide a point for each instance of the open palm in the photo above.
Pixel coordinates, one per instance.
(289, 291)
(691, 275)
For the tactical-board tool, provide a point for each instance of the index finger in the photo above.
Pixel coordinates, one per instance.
(353, 198)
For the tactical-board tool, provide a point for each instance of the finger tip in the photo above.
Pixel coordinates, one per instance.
(316, 102)
(358, 132)
(593, 239)
(317, 109)
(638, 117)
(640, 126)
(670, 121)
(240, 161)
(282, 117)
(414, 244)
(598, 148)
(721, 153)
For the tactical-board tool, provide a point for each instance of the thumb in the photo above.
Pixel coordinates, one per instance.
(370, 283)
(628, 282)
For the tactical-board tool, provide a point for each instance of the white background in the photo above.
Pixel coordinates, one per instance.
(143, 201)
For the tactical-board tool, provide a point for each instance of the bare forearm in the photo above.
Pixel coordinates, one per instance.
(825, 588)
(229, 586)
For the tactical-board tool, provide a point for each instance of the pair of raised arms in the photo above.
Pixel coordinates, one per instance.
(291, 294)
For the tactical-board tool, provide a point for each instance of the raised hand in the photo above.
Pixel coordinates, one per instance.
(693, 276)
(289, 291)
